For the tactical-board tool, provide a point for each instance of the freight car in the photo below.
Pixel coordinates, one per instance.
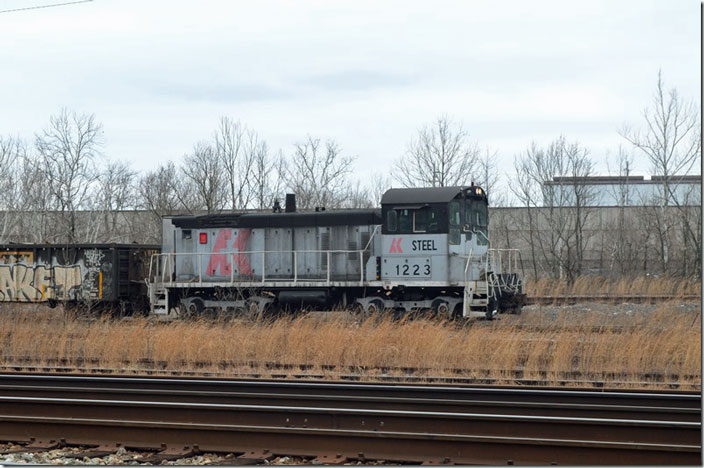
(94, 275)
(425, 249)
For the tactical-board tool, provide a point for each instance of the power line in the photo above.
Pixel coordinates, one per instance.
(45, 6)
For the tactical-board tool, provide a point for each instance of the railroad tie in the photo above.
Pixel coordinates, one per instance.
(96, 452)
(37, 446)
(254, 457)
(169, 453)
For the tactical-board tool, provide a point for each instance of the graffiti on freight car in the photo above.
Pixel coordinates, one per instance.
(93, 280)
(21, 280)
(23, 283)
(9, 257)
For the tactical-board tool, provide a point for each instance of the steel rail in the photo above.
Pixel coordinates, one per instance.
(688, 399)
(317, 376)
(393, 422)
(665, 411)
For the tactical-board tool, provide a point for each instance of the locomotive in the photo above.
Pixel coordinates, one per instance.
(425, 249)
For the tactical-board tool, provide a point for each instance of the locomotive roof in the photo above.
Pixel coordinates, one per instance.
(421, 195)
(297, 219)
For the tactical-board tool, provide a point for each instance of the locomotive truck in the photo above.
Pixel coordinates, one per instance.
(425, 249)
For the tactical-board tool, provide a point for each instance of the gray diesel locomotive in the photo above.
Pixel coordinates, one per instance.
(426, 249)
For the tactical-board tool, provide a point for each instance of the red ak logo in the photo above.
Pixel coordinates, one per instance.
(396, 245)
(221, 261)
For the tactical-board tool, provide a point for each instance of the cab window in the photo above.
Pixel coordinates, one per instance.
(405, 220)
(476, 213)
(425, 220)
(480, 216)
(454, 214)
(391, 220)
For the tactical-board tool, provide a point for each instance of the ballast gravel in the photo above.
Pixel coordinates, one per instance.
(127, 457)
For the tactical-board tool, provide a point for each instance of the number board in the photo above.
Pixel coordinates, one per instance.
(409, 267)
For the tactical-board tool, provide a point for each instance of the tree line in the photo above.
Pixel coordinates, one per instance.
(62, 187)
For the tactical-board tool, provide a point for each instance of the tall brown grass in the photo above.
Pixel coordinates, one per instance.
(604, 286)
(664, 344)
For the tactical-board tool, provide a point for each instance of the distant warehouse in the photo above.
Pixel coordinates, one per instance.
(685, 190)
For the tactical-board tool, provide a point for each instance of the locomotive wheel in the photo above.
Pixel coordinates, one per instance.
(196, 307)
(376, 306)
(441, 309)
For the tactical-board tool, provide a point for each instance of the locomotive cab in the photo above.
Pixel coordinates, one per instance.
(436, 254)
(429, 233)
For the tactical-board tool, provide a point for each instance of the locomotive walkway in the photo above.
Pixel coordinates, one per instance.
(339, 421)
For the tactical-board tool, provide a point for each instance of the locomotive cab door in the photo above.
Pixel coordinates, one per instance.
(456, 245)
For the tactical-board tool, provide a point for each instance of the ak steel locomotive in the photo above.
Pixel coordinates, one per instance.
(425, 249)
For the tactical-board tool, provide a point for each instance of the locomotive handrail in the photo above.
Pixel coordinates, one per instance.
(169, 259)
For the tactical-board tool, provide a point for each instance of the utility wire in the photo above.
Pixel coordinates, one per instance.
(45, 6)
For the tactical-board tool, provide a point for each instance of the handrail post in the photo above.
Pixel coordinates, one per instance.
(200, 269)
(328, 266)
(263, 266)
(232, 268)
(295, 267)
(361, 267)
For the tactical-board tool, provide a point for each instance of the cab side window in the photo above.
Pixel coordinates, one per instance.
(405, 220)
(420, 220)
(454, 214)
(391, 220)
(425, 220)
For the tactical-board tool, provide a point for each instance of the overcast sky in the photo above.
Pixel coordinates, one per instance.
(159, 74)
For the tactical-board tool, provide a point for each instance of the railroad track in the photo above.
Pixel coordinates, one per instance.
(335, 422)
(275, 370)
(561, 299)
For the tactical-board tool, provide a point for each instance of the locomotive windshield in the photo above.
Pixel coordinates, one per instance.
(476, 213)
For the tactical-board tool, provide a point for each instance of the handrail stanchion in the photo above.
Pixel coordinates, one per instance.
(328, 266)
(295, 267)
(232, 268)
(263, 266)
(200, 269)
(361, 267)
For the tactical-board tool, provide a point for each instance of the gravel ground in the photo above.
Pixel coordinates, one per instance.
(624, 311)
(128, 457)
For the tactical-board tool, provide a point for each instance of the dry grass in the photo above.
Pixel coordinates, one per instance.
(603, 286)
(666, 342)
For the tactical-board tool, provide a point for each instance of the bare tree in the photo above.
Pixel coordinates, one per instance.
(488, 176)
(671, 141)
(12, 154)
(203, 170)
(117, 192)
(238, 149)
(67, 151)
(440, 156)
(319, 176)
(267, 177)
(379, 184)
(672, 137)
(358, 196)
(551, 185)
